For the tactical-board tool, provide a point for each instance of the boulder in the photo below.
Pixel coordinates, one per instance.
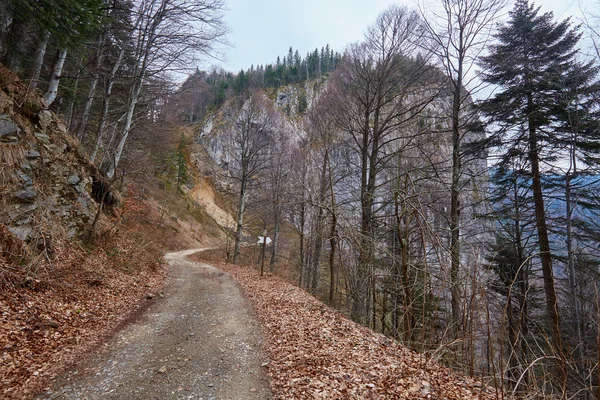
(33, 154)
(9, 131)
(44, 118)
(21, 232)
(24, 178)
(73, 179)
(42, 137)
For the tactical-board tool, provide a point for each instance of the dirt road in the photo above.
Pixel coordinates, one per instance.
(201, 341)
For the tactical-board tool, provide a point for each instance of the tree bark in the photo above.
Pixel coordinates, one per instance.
(544, 245)
(333, 239)
(109, 81)
(275, 245)
(52, 91)
(455, 204)
(39, 61)
(17, 39)
(277, 211)
(85, 115)
(403, 239)
(240, 222)
(302, 277)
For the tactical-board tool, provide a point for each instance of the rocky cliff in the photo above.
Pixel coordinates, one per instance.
(49, 190)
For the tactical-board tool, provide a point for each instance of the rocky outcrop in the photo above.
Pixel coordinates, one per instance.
(295, 100)
(291, 101)
(46, 181)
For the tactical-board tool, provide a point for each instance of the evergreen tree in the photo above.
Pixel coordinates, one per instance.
(511, 254)
(182, 173)
(532, 64)
(67, 22)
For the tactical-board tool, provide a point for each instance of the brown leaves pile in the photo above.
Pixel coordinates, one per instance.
(69, 305)
(316, 352)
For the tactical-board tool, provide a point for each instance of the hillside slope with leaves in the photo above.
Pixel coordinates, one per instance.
(317, 353)
(65, 285)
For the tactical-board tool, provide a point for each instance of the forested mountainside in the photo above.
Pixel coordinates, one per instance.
(435, 181)
(453, 225)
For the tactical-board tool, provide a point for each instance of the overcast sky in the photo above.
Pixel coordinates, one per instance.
(263, 29)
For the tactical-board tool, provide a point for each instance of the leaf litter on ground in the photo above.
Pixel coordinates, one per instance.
(315, 352)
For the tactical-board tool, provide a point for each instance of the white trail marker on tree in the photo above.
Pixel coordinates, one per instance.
(261, 239)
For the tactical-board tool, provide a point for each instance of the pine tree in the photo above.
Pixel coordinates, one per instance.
(532, 62)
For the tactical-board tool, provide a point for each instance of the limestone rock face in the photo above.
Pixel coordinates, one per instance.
(291, 101)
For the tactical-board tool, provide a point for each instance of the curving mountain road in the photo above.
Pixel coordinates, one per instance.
(201, 341)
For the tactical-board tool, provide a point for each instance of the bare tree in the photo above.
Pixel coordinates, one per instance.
(170, 35)
(248, 145)
(372, 89)
(54, 81)
(459, 31)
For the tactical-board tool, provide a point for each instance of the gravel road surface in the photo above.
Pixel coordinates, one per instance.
(200, 341)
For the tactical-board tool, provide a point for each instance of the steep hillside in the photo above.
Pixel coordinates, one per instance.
(317, 353)
(66, 284)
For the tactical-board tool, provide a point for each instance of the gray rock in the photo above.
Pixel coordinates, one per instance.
(21, 209)
(73, 179)
(42, 137)
(45, 118)
(28, 195)
(33, 154)
(24, 178)
(81, 187)
(21, 232)
(84, 201)
(25, 221)
(8, 130)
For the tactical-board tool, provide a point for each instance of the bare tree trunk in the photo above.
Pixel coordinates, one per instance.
(333, 243)
(319, 226)
(264, 247)
(573, 290)
(108, 85)
(277, 211)
(110, 142)
(73, 97)
(88, 103)
(403, 239)
(52, 91)
(333, 239)
(455, 205)
(143, 46)
(39, 61)
(302, 240)
(239, 226)
(240, 222)
(275, 245)
(17, 39)
(126, 129)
